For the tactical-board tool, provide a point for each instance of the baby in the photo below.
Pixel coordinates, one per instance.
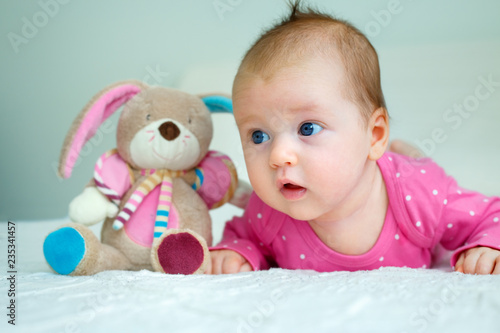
(327, 196)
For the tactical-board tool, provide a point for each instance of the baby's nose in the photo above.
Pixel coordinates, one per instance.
(282, 154)
(169, 131)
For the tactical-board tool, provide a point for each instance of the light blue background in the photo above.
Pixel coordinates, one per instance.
(432, 54)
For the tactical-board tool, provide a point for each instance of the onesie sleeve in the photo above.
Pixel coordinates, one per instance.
(247, 235)
(431, 208)
(470, 219)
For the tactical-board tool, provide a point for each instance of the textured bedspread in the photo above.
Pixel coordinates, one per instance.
(385, 300)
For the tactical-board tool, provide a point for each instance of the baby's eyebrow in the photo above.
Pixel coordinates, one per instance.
(312, 106)
(247, 119)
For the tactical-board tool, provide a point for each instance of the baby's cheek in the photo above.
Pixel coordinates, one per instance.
(250, 153)
(334, 182)
(259, 180)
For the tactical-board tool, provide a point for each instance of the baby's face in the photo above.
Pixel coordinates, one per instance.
(305, 145)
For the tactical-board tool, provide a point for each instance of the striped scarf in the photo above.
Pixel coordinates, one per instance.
(155, 178)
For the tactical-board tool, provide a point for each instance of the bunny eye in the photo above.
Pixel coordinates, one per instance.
(189, 120)
(148, 116)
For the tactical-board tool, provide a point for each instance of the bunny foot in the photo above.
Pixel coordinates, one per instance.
(73, 249)
(64, 250)
(180, 252)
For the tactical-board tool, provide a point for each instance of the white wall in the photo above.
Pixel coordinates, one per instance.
(432, 53)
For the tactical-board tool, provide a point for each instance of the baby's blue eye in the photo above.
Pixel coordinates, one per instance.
(259, 137)
(308, 129)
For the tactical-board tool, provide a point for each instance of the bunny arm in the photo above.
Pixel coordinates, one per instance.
(240, 197)
(91, 207)
(189, 177)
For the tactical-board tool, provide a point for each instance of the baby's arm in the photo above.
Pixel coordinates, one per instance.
(471, 229)
(479, 260)
(242, 248)
(463, 221)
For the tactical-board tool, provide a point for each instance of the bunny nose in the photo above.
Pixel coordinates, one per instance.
(169, 131)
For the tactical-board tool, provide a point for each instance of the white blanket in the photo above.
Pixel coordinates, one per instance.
(278, 300)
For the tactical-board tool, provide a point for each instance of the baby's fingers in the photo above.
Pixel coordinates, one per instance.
(459, 266)
(209, 267)
(233, 264)
(496, 270)
(217, 258)
(485, 263)
(246, 267)
(480, 260)
(492, 265)
(471, 258)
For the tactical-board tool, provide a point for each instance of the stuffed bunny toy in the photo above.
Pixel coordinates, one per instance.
(153, 191)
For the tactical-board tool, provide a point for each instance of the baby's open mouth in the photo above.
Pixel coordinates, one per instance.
(292, 191)
(290, 186)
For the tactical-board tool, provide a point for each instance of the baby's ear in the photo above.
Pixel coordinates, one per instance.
(378, 125)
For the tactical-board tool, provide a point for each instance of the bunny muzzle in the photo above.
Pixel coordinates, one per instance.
(165, 144)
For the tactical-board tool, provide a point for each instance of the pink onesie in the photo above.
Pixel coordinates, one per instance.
(426, 208)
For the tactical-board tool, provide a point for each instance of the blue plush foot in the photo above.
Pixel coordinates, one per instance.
(64, 250)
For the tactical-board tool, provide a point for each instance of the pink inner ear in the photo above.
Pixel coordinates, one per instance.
(95, 116)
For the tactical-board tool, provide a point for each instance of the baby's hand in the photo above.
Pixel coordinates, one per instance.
(479, 260)
(227, 262)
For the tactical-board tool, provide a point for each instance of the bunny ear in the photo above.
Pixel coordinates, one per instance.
(218, 103)
(97, 110)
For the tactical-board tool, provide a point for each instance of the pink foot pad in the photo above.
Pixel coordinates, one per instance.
(180, 253)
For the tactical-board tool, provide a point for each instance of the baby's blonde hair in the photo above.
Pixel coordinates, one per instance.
(306, 32)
